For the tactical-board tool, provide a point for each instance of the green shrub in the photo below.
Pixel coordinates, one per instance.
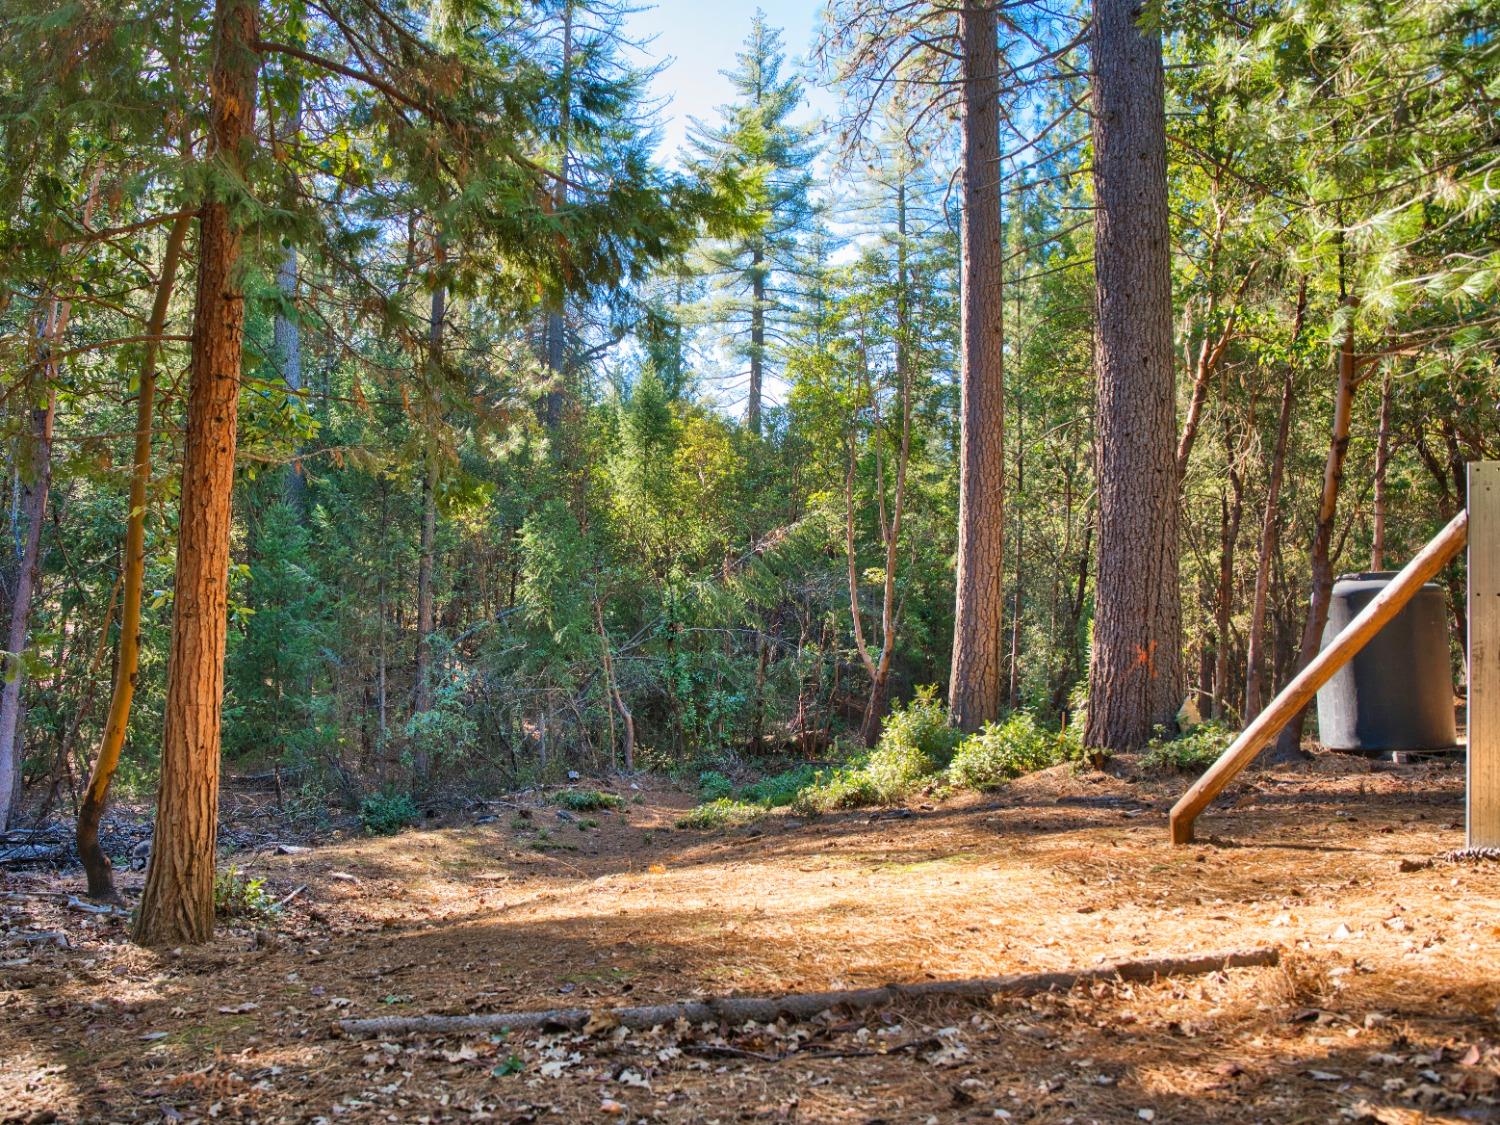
(781, 789)
(725, 812)
(922, 725)
(1001, 751)
(882, 777)
(713, 785)
(915, 742)
(587, 800)
(1192, 752)
(385, 814)
(235, 896)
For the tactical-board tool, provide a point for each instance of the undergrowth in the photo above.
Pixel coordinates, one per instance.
(1000, 752)
(1192, 752)
(237, 896)
(385, 814)
(587, 800)
(918, 748)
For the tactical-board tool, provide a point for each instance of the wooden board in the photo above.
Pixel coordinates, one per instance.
(1484, 655)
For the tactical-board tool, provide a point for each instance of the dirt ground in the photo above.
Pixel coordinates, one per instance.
(1384, 1007)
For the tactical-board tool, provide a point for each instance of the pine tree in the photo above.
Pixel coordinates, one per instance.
(756, 136)
(1135, 673)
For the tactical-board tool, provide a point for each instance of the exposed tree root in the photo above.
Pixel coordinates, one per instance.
(804, 1005)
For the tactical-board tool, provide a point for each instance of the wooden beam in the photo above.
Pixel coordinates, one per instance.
(1484, 655)
(1265, 726)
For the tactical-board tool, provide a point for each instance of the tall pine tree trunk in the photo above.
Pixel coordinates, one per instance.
(976, 677)
(96, 864)
(1135, 674)
(178, 903)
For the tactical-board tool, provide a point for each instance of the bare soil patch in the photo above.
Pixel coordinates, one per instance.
(1385, 1007)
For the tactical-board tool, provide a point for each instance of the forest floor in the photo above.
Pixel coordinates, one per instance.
(1384, 1007)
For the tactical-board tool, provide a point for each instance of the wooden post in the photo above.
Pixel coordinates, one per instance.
(1384, 606)
(1484, 655)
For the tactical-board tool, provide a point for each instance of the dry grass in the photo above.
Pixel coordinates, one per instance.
(1385, 1005)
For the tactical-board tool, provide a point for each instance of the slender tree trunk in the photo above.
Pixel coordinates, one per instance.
(1135, 674)
(1288, 745)
(976, 677)
(96, 864)
(427, 548)
(425, 608)
(1382, 463)
(287, 334)
(556, 327)
(178, 903)
(1270, 522)
(31, 506)
(34, 509)
(757, 336)
(1231, 514)
(288, 345)
(616, 701)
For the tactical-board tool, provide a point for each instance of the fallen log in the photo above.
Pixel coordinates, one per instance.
(30, 853)
(804, 1005)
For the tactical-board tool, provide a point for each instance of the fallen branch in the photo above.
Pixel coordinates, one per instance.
(804, 1005)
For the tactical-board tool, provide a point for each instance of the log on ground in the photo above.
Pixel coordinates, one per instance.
(805, 1005)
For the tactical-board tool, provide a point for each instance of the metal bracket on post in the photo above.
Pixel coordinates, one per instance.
(1484, 655)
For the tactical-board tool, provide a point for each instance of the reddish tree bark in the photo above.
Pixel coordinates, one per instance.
(177, 905)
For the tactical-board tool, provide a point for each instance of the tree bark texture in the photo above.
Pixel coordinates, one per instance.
(96, 864)
(1135, 672)
(177, 905)
(977, 675)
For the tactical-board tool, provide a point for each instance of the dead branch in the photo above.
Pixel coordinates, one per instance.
(805, 1005)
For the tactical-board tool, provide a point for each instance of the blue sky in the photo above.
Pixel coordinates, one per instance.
(701, 38)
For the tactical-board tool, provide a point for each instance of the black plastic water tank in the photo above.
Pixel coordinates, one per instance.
(1397, 691)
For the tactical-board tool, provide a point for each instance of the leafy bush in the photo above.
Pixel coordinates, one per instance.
(724, 812)
(922, 725)
(781, 789)
(1192, 752)
(235, 896)
(1001, 751)
(881, 777)
(587, 800)
(385, 814)
(713, 785)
